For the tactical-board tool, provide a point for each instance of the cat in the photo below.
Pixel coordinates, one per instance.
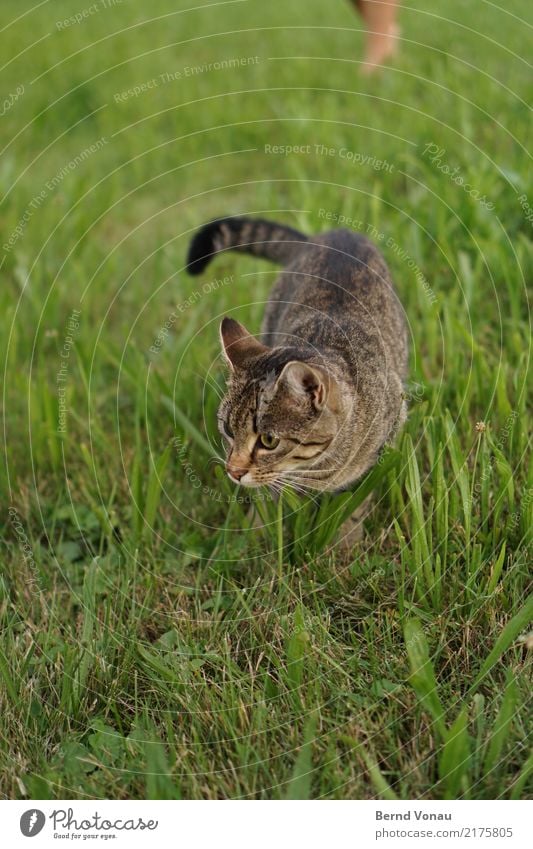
(311, 403)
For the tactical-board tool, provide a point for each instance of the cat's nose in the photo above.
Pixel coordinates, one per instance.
(235, 472)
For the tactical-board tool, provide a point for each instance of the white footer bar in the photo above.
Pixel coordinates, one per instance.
(267, 825)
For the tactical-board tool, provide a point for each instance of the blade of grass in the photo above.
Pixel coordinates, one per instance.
(502, 725)
(523, 778)
(155, 488)
(302, 773)
(8, 679)
(454, 761)
(509, 634)
(379, 781)
(422, 677)
(189, 428)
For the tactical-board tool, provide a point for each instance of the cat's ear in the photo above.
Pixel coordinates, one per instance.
(238, 345)
(304, 380)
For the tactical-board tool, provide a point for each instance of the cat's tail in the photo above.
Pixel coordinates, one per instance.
(250, 235)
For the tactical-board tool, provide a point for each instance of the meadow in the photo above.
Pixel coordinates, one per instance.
(153, 642)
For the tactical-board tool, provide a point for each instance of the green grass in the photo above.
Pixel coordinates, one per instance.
(153, 642)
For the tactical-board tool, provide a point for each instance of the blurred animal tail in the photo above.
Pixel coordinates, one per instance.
(249, 235)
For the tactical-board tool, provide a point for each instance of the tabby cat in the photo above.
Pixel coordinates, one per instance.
(312, 403)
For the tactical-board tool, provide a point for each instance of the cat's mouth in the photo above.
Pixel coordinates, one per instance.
(242, 480)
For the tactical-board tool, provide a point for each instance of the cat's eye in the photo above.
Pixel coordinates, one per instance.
(268, 440)
(227, 430)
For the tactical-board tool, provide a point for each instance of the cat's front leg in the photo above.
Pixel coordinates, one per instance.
(351, 531)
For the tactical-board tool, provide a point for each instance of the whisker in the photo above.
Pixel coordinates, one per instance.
(275, 487)
(303, 479)
(308, 471)
(298, 486)
(216, 459)
(309, 483)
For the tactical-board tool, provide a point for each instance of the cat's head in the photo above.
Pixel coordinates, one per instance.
(280, 415)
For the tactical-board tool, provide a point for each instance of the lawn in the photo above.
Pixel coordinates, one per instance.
(153, 643)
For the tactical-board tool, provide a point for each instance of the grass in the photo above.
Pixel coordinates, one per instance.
(153, 642)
